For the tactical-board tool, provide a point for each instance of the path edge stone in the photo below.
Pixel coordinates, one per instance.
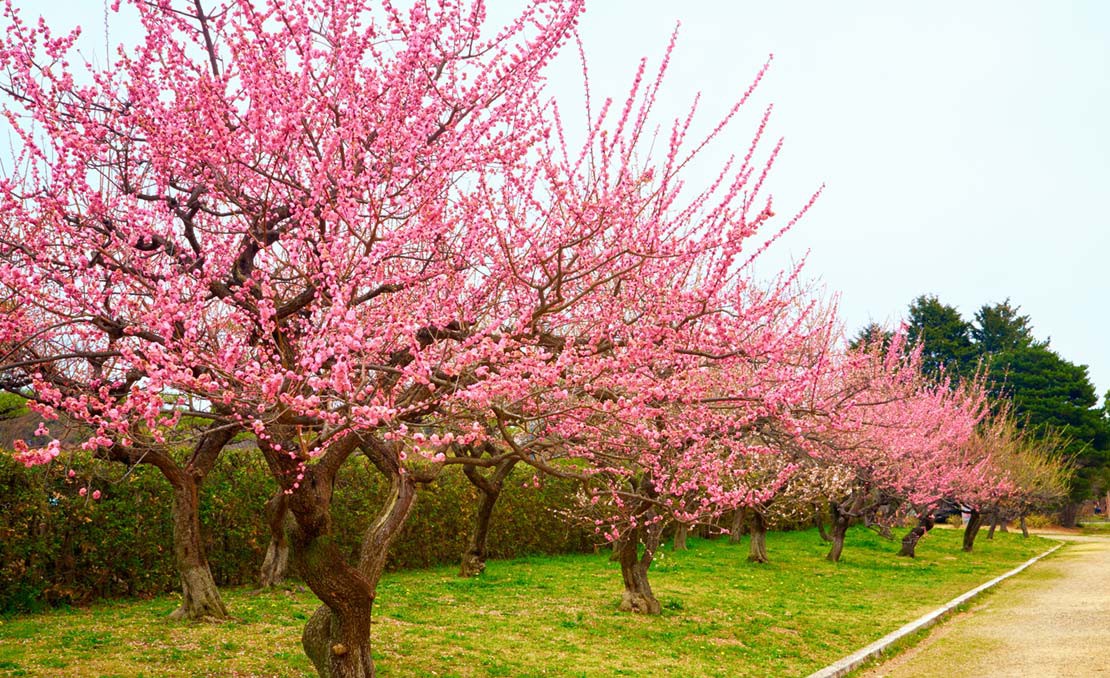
(846, 665)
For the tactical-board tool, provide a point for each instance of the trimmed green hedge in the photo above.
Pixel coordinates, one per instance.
(57, 547)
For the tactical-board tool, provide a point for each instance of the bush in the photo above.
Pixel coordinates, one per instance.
(58, 547)
(1039, 520)
(525, 521)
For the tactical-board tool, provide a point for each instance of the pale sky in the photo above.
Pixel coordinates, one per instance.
(964, 146)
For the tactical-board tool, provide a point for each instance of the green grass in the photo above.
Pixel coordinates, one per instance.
(1095, 526)
(552, 616)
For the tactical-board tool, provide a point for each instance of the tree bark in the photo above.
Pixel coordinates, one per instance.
(972, 529)
(474, 557)
(925, 523)
(993, 525)
(680, 533)
(757, 547)
(821, 527)
(638, 596)
(200, 599)
(841, 519)
(1024, 527)
(337, 636)
(275, 565)
(736, 529)
(1069, 514)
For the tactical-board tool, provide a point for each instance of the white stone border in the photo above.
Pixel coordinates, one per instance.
(853, 661)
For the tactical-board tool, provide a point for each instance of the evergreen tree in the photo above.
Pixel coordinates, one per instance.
(871, 332)
(1049, 394)
(945, 334)
(999, 327)
(1052, 394)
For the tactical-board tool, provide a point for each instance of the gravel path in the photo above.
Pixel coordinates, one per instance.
(1051, 620)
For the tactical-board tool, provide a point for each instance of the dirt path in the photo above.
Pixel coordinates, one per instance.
(1051, 620)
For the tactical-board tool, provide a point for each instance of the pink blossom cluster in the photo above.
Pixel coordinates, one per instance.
(331, 223)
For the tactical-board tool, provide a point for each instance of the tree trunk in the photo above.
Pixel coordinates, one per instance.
(736, 529)
(757, 547)
(638, 596)
(1069, 514)
(1024, 527)
(820, 521)
(840, 520)
(200, 599)
(925, 523)
(972, 529)
(474, 557)
(276, 563)
(337, 636)
(680, 533)
(994, 525)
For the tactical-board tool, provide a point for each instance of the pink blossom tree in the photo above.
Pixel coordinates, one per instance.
(902, 436)
(61, 352)
(262, 208)
(358, 231)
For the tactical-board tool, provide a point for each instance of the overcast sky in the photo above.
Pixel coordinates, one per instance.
(964, 146)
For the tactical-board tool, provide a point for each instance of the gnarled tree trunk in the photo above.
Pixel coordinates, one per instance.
(275, 565)
(474, 557)
(200, 599)
(841, 518)
(736, 529)
(840, 521)
(681, 531)
(337, 636)
(925, 523)
(757, 547)
(972, 529)
(638, 596)
(820, 522)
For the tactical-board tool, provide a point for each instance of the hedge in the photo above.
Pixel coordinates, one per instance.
(59, 548)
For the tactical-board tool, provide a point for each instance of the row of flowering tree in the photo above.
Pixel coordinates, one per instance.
(349, 229)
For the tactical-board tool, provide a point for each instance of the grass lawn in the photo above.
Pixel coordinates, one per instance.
(1092, 526)
(550, 616)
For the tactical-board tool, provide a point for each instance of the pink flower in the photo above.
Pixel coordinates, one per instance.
(96, 494)
(83, 491)
(72, 473)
